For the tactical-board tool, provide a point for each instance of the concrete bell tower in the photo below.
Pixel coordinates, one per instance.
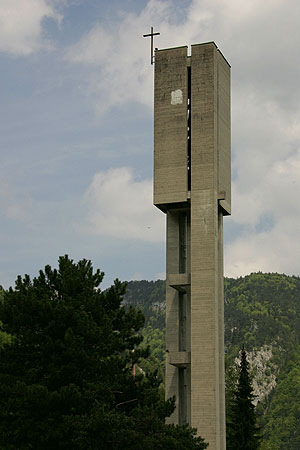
(192, 186)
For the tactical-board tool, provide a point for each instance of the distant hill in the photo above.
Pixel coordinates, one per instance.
(149, 296)
(262, 311)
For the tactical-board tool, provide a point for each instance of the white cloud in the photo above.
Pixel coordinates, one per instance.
(122, 56)
(137, 276)
(160, 276)
(247, 32)
(21, 25)
(261, 40)
(120, 206)
(277, 248)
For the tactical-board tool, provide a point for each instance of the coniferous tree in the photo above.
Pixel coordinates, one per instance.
(242, 431)
(66, 379)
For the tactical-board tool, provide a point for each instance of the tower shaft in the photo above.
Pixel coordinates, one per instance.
(192, 185)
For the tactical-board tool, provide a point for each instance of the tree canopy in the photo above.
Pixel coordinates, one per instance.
(66, 377)
(262, 311)
(242, 431)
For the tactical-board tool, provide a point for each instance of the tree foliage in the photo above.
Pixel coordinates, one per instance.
(5, 338)
(261, 310)
(154, 338)
(242, 431)
(149, 298)
(281, 429)
(66, 375)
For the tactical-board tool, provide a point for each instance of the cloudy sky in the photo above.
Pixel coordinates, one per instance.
(76, 134)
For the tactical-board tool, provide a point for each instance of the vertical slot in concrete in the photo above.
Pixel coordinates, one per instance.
(189, 132)
(182, 242)
(182, 322)
(182, 395)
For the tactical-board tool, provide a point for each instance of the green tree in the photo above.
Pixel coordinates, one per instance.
(155, 339)
(262, 310)
(282, 429)
(66, 375)
(242, 431)
(5, 338)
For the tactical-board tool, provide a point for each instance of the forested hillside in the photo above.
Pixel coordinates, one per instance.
(262, 311)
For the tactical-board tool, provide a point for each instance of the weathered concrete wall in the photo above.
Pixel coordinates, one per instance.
(194, 298)
(170, 134)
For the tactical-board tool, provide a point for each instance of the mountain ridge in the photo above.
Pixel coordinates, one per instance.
(262, 312)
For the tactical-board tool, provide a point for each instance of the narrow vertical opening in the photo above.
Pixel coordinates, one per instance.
(182, 396)
(182, 243)
(188, 241)
(189, 121)
(182, 322)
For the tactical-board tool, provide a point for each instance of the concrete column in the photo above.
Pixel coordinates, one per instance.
(192, 186)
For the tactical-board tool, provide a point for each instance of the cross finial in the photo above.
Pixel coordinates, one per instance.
(151, 34)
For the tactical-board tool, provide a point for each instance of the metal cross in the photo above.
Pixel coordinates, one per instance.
(151, 35)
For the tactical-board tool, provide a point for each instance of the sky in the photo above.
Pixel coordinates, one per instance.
(76, 132)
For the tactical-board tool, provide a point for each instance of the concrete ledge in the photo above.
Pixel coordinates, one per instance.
(179, 359)
(179, 281)
(226, 208)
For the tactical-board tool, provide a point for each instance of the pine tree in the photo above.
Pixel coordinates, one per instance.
(66, 379)
(242, 431)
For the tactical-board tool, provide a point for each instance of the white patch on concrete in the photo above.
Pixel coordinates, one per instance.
(176, 97)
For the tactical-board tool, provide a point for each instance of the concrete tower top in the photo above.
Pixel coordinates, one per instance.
(191, 99)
